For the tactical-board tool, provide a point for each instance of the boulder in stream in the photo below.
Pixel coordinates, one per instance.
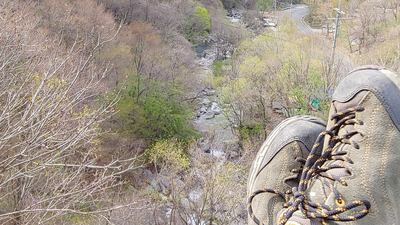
(210, 114)
(204, 145)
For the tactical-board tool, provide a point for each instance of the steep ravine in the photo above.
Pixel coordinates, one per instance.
(217, 138)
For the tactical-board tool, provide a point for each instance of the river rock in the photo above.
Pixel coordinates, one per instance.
(204, 144)
(153, 187)
(217, 112)
(233, 155)
(149, 175)
(164, 198)
(152, 182)
(191, 95)
(211, 39)
(231, 148)
(203, 110)
(207, 134)
(209, 92)
(166, 185)
(215, 108)
(202, 93)
(206, 102)
(194, 195)
(198, 114)
(209, 115)
(230, 145)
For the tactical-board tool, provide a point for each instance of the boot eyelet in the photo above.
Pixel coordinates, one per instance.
(340, 202)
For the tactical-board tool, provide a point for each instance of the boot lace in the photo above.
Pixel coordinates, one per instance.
(317, 170)
(285, 195)
(314, 168)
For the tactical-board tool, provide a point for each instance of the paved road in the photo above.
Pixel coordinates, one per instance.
(342, 64)
(298, 12)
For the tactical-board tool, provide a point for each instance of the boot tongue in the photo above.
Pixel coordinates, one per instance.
(341, 172)
(294, 180)
(341, 106)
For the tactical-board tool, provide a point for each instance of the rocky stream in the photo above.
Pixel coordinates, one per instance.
(217, 139)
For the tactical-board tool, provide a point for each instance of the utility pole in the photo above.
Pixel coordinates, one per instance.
(338, 12)
(291, 7)
(332, 61)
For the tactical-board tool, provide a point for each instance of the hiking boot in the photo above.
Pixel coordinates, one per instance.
(278, 165)
(357, 177)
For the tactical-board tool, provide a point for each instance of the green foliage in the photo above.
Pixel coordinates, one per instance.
(219, 67)
(299, 95)
(202, 15)
(169, 154)
(312, 16)
(284, 68)
(162, 117)
(215, 81)
(150, 106)
(155, 116)
(198, 26)
(251, 129)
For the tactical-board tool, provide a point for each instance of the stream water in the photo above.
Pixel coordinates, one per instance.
(217, 136)
(217, 139)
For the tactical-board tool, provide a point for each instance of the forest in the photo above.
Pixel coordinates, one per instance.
(151, 111)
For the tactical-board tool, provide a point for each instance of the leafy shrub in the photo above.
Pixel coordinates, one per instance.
(162, 118)
(169, 154)
(198, 26)
(158, 115)
(219, 67)
(250, 129)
